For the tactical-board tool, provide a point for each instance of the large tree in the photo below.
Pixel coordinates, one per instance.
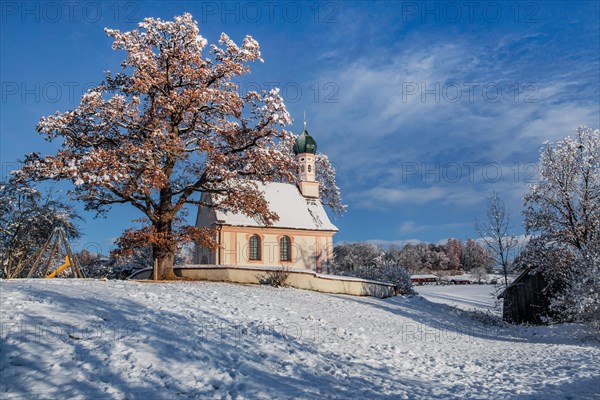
(170, 125)
(564, 205)
(563, 213)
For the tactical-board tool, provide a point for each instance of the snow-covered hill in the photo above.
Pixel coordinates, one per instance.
(115, 339)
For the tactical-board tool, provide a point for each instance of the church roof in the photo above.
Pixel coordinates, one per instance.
(295, 211)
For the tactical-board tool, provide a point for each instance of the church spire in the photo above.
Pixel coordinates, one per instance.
(305, 149)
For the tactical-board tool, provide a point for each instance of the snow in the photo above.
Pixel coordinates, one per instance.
(294, 210)
(464, 297)
(121, 339)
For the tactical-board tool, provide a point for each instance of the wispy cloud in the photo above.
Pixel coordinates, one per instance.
(410, 227)
(379, 124)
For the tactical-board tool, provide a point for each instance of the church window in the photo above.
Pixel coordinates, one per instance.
(254, 247)
(285, 249)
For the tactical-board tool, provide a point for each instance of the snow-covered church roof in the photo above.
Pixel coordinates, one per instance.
(294, 210)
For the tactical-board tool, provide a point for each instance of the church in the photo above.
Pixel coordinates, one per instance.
(302, 238)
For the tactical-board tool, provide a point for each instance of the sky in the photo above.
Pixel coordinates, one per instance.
(424, 107)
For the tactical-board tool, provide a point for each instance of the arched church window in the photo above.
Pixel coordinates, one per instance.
(285, 253)
(254, 248)
(302, 168)
(309, 168)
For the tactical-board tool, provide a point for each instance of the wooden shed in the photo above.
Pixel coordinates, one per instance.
(525, 300)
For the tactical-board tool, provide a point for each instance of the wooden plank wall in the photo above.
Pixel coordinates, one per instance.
(525, 302)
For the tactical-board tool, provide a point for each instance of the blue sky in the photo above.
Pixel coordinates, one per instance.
(424, 107)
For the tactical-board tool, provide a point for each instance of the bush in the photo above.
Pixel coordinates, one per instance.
(578, 298)
(276, 278)
(398, 275)
(350, 257)
(387, 271)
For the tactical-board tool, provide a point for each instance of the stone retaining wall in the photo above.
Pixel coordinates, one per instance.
(300, 279)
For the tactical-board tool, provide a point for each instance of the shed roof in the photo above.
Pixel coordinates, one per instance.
(514, 283)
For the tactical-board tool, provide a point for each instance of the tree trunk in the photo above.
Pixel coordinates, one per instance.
(505, 270)
(165, 257)
(164, 252)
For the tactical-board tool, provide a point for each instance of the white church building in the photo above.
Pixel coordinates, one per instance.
(302, 238)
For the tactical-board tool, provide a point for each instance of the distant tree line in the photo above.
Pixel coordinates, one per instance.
(453, 257)
(368, 261)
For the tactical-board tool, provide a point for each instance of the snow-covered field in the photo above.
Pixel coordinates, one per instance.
(127, 340)
(465, 297)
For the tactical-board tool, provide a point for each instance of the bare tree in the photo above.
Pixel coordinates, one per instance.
(496, 233)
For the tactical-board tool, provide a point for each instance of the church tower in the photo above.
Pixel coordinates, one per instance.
(305, 149)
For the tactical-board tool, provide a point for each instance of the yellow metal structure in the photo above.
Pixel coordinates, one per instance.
(60, 269)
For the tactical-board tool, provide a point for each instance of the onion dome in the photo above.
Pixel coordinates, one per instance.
(305, 143)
